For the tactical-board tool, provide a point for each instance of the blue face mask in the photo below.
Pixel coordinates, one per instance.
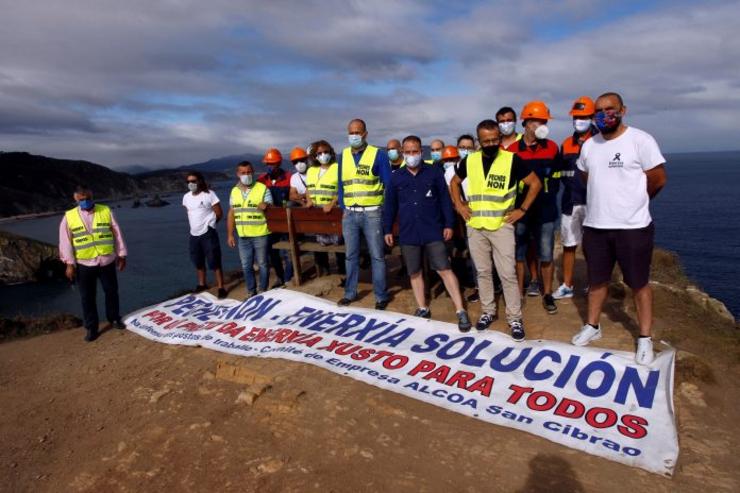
(86, 204)
(436, 155)
(393, 154)
(355, 140)
(463, 153)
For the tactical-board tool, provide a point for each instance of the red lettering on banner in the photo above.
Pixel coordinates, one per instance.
(609, 421)
(423, 366)
(484, 386)
(518, 393)
(440, 374)
(634, 426)
(568, 408)
(536, 404)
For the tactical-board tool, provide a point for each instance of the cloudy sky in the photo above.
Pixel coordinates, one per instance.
(181, 81)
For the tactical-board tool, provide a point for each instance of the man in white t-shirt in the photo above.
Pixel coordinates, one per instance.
(623, 168)
(204, 211)
(297, 194)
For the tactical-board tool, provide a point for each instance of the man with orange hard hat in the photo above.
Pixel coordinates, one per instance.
(543, 157)
(450, 159)
(277, 180)
(573, 202)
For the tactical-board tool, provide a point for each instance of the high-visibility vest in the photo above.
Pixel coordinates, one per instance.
(91, 244)
(361, 186)
(490, 197)
(249, 219)
(322, 189)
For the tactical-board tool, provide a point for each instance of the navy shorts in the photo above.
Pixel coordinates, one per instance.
(543, 236)
(436, 253)
(206, 249)
(632, 249)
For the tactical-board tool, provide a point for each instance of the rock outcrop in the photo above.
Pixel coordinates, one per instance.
(26, 260)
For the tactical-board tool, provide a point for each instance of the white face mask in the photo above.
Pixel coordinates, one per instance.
(324, 157)
(450, 164)
(541, 132)
(412, 161)
(246, 179)
(507, 128)
(301, 167)
(463, 153)
(193, 187)
(581, 125)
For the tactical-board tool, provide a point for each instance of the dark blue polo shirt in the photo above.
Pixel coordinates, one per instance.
(421, 202)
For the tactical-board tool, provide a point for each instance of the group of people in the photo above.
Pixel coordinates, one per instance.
(503, 185)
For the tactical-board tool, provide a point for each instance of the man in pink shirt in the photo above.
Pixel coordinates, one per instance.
(91, 246)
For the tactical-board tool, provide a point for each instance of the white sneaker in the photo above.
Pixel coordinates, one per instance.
(644, 355)
(563, 292)
(586, 335)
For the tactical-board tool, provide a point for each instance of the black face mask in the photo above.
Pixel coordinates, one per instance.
(490, 151)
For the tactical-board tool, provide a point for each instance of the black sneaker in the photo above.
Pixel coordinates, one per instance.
(91, 335)
(474, 297)
(549, 303)
(118, 325)
(221, 293)
(485, 320)
(250, 294)
(200, 288)
(381, 305)
(463, 322)
(423, 313)
(278, 284)
(344, 302)
(517, 330)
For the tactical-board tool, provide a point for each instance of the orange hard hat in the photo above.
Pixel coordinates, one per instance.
(272, 156)
(450, 152)
(583, 106)
(298, 153)
(536, 110)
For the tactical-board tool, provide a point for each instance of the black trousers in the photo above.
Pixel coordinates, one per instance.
(87, 280)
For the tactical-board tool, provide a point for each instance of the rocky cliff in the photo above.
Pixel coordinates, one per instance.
(25, 260)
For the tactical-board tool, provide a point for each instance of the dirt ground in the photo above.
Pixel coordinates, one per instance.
(127, 414)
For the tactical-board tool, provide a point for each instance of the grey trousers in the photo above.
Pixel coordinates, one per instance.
(496, 248)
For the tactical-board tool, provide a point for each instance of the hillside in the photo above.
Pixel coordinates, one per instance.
(35, 184)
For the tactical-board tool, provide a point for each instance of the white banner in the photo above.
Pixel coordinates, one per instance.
(590, 399)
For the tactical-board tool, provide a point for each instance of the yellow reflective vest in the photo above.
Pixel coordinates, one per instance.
(361, 186)
(91, 244)
(249, 219)
(490, 196)
(323, 189)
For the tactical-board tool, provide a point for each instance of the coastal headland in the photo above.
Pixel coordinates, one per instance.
(127, 414)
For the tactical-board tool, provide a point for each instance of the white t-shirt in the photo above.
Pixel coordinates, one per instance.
(297, 181)
(449, 173)
(200, 211)
(617, 195)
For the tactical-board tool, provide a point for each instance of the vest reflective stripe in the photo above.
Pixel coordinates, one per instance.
(95, 243)
(323, 189)
(361, 187)
(490, 197)
(249, 219)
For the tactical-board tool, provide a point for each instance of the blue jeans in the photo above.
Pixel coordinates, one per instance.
(277, 257)
(543, 236)
(249, 248)
(370, 224)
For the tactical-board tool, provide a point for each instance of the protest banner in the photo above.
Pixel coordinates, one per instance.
(590, 399)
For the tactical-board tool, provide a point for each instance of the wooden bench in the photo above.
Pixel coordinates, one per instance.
(301, 225)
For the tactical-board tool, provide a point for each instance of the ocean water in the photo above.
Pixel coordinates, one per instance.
(696, 216)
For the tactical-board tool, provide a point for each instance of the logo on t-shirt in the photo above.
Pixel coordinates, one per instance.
(616, 162)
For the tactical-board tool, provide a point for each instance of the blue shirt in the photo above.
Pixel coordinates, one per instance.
(422, 203)
(381, 169)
